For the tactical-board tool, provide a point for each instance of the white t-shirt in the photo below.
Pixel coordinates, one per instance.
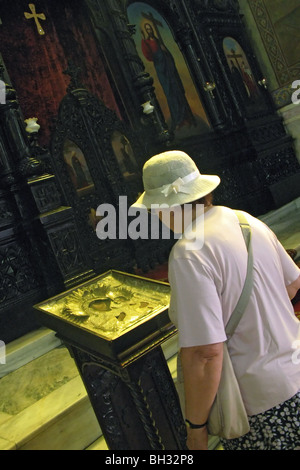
(205, 287)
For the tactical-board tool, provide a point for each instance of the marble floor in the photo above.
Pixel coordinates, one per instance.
(43, 403)
(285, 222)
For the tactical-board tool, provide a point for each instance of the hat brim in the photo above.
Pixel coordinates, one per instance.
(199, 188)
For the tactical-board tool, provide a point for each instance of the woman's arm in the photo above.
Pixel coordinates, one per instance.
(293, 288)
(202, 366)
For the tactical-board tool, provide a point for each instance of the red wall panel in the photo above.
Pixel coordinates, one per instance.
(36, 63)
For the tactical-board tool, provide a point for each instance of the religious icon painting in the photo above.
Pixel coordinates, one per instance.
(242, 77)
(165, 63)
(77, 168)
(127, 162)
(124, 154)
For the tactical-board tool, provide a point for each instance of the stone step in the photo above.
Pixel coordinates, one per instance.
(44, 405)
(27, 348)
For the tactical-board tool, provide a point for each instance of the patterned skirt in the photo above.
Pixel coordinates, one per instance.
(275, 429)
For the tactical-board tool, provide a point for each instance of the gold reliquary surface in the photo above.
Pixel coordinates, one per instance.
(111, 305)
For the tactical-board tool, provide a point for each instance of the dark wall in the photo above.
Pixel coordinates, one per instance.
(36, 63)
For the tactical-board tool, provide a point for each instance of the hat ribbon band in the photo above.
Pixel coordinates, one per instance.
(178, 185)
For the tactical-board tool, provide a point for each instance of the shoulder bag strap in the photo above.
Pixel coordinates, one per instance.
(245, 295)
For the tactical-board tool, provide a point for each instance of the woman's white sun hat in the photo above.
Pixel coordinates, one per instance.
(172, 178)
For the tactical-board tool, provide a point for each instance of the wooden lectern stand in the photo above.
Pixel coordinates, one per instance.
(114, 327)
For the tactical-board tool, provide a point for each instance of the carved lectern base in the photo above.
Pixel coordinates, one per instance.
(114, 326)
(137, 407)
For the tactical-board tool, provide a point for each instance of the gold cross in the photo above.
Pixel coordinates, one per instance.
(36, 17)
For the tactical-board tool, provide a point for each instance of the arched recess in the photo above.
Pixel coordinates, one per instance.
(95, 158)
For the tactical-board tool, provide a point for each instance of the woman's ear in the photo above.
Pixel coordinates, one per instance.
(208, 200)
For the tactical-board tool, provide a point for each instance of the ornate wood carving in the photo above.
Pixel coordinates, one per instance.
(17, 275)
(137, 407)
(85, 123)
(30, 214)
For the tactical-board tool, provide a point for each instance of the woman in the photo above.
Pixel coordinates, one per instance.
(206, 283)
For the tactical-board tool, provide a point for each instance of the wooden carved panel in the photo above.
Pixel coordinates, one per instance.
(96, 160)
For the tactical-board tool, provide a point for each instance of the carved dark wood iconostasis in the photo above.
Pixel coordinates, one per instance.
(90, 79)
